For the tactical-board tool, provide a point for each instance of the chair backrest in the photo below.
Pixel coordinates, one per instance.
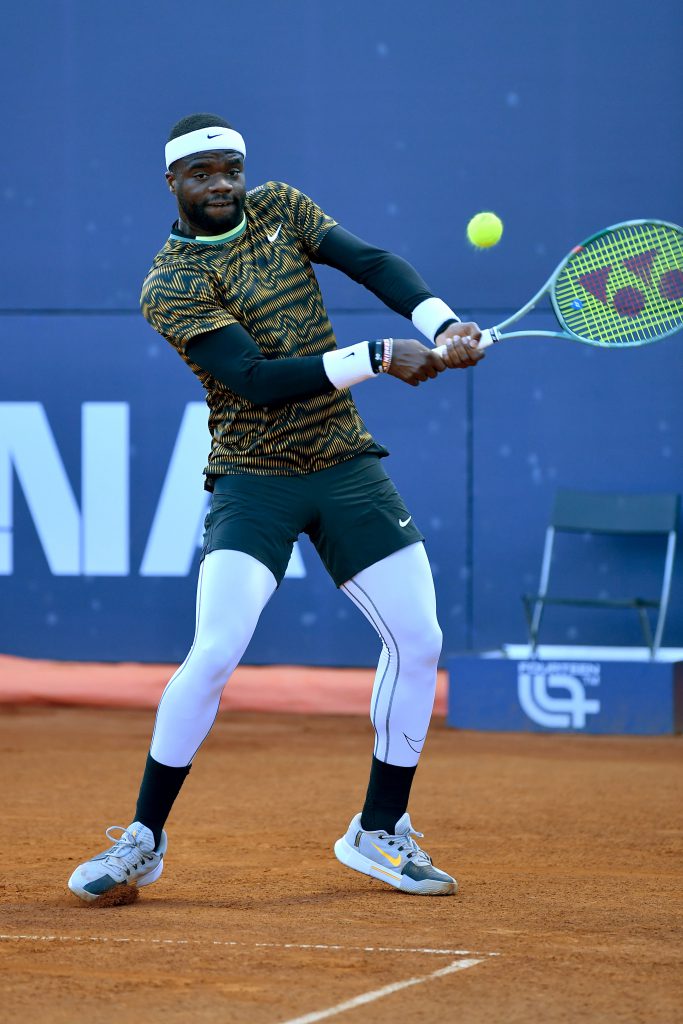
(615, 513)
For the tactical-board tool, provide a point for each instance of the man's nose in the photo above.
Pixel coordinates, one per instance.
(221, 183)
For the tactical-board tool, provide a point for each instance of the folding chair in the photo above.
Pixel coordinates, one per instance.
(626, 514)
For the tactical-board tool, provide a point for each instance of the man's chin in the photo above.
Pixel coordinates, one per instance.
(220, 219)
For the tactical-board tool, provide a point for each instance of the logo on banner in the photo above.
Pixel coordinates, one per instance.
(555, 694)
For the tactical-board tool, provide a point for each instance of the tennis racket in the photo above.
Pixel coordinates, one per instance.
(621, 287)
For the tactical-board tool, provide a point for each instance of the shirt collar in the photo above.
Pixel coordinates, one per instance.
(228, 236)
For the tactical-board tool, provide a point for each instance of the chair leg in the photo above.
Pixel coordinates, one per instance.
(533, 620)
(647, 631)
(539, 603)
(666, 587)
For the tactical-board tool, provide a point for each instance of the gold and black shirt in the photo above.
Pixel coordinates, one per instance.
(258, 275)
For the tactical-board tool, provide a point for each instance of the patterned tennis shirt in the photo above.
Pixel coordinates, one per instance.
(260, 276)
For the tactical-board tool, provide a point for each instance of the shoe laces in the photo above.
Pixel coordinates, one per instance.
(125, 853)
(405, 842)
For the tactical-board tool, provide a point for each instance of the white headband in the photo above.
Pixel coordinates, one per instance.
(204, 139)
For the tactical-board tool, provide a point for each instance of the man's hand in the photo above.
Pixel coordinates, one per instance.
(413, 362)
(461, 345)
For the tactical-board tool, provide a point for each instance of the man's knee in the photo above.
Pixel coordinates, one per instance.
(422, 641)
(432, 640)
(215, 660)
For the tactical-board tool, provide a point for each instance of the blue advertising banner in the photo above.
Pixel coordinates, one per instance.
(366, 108)
(600, 697)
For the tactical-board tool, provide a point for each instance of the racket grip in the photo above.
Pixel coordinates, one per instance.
(488, 337)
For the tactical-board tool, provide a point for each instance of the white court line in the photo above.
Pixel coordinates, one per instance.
(370, 997)
(249, 945)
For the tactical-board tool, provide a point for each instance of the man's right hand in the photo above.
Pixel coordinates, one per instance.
(413, 362)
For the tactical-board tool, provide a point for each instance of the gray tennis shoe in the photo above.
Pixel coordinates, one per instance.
(132, 860)
(395, 859)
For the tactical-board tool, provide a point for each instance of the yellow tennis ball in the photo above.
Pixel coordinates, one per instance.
(484, 230)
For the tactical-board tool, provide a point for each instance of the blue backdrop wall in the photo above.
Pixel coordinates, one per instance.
(401, 122)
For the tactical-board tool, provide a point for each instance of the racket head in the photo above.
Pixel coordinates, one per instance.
(623, 286)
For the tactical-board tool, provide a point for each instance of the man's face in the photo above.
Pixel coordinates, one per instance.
(210, 190)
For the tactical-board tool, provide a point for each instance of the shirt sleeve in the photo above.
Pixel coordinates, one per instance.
(180, 302)
(389, 277)
(232, 357)
(308, 220)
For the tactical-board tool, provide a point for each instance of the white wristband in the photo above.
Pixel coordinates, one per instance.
(347, 366)
(430, 314)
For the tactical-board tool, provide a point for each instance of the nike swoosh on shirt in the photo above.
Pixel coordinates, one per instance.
(271, 238)
(392, 860)
(404, 522)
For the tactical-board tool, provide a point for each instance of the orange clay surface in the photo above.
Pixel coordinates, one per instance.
(567, 850)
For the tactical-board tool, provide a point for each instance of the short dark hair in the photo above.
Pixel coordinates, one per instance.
(193, 122)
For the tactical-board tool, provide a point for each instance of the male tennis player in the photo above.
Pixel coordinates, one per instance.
(234, 291)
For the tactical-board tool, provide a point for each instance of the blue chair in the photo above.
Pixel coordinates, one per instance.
(625, 514)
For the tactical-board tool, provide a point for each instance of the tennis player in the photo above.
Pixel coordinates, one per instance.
(234, 292)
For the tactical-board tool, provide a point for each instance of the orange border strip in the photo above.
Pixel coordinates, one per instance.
(287, 688)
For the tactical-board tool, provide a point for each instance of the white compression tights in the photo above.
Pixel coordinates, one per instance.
(396, 595)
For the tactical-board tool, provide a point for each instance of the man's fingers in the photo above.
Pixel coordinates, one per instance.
(469, 353)
(459, 354)
(437, 361)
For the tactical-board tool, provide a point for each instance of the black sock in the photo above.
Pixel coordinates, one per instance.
(387, 797)
(159, 787)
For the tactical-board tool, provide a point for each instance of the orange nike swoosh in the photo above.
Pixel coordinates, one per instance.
(392, 860)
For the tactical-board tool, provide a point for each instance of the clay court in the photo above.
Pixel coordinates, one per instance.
(567, 850)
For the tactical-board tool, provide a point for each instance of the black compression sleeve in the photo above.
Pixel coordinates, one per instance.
(389, 277)
(232, 356)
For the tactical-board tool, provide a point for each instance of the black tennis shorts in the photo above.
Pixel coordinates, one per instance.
(352, 513)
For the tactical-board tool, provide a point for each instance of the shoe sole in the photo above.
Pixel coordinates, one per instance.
(349, 856)
(137, 883)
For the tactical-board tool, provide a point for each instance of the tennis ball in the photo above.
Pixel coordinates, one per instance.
(484, 230)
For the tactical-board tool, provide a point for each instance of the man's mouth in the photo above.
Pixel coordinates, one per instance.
(222, 202)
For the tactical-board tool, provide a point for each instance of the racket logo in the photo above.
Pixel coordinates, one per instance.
(630, 300)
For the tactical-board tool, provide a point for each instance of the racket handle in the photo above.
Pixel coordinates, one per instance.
(488, 338)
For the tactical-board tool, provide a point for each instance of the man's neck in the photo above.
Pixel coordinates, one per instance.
(180, 228)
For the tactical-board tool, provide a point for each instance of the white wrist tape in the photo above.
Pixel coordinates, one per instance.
(429, 316)
(347, 366)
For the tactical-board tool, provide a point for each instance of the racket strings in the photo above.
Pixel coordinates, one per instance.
(609, 260)
(624, 286)
(661, 315)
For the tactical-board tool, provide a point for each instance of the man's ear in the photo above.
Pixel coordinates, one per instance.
(170, 178)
